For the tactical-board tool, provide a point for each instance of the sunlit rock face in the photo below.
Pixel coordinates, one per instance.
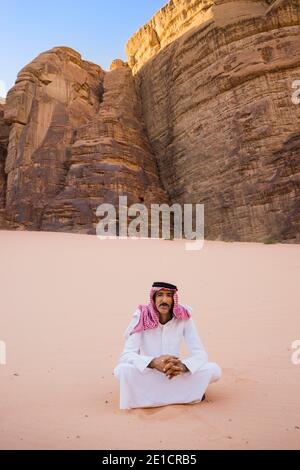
(216, 87)
(110, 157)
(76, 140)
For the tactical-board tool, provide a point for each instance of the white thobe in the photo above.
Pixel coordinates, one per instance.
(141, 386)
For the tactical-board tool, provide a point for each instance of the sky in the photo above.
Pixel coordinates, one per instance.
(97, 29)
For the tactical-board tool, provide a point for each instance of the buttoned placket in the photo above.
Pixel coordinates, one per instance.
(164, 336)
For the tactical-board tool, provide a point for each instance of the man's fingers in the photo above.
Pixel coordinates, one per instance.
(173, 369)
(169, 361)
(173, 375)
(172, 361)
(166, 357)
(169, 366)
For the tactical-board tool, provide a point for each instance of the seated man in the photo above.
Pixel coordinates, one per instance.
(149, 370)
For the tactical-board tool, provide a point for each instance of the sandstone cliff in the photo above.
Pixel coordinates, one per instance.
(110, 156)
(76, 140)
(216, 90)
(53, 95)
(202, 114)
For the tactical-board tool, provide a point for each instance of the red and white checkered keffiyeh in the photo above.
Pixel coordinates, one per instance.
(149, 317)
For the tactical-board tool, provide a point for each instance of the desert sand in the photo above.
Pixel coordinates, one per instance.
(65, 302)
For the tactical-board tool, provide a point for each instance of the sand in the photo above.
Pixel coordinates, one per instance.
(65, 301)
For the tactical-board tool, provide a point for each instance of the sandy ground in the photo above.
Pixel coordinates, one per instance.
(65, 301)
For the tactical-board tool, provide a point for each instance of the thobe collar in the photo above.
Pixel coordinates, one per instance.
(169, 321)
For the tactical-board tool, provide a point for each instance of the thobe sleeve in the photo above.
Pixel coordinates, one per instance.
(198, 356)
(131, 352)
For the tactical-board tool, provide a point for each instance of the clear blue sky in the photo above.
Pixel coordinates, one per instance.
(97, 29)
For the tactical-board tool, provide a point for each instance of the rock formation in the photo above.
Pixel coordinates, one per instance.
(110, 156)
(76, 140)
(53, 95)
(216, 90)
(202, 113)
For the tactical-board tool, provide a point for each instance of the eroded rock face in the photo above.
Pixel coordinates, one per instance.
(180, 16)
(110, 157)
(53, 95)
(217, 103)
(77, 140)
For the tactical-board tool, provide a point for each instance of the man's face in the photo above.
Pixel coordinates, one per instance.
(164, 301)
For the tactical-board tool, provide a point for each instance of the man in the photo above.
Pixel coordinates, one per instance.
(149, 370)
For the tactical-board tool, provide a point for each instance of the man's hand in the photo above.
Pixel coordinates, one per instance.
(171, 366)
(160, 363)
(174, 368)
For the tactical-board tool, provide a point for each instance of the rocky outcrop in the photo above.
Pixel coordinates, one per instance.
(76, 140)
(179, 16)
(202, 113)
(217, 103)
(110, 157)
(53, 95)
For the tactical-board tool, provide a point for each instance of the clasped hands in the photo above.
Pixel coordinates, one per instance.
(169, 365)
